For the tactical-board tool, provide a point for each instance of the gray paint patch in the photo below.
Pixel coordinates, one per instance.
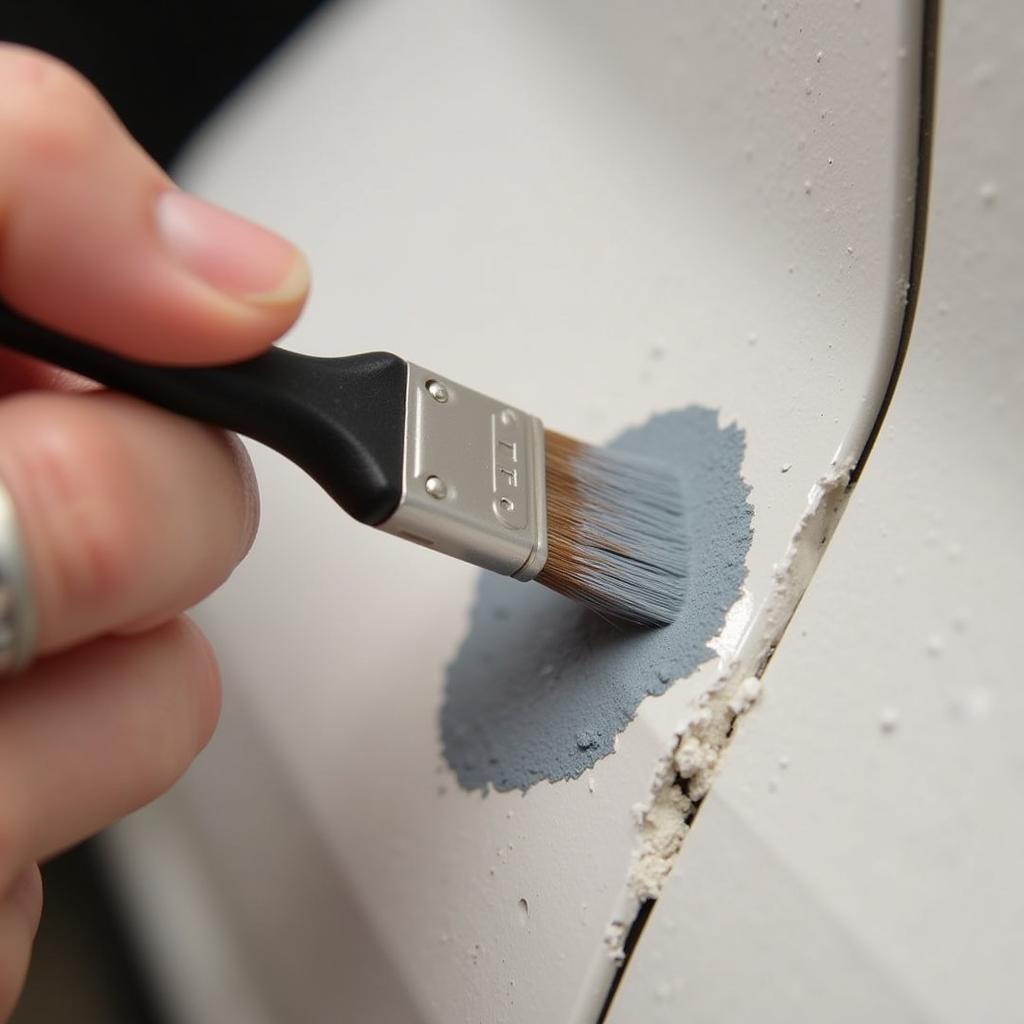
(541, 687)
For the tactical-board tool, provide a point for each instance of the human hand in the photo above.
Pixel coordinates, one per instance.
(127, 515)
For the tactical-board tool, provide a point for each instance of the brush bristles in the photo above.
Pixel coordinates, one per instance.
(615, 532)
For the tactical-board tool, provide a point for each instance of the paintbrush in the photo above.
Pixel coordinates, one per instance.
(415, 454)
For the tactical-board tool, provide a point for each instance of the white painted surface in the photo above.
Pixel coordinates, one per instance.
(535, 197)
(860, 855)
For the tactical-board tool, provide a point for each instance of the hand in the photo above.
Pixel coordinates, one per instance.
(128, 515)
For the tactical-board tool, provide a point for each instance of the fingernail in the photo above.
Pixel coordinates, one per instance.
(231, 254)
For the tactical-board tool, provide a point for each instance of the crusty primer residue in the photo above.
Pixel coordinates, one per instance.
(684, 775)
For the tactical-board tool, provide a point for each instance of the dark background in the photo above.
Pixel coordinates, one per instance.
(163, 66)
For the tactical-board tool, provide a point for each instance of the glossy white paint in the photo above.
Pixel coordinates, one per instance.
(595, 211)
(859, 857)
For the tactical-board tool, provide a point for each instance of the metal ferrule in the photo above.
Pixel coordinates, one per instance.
(473, 478)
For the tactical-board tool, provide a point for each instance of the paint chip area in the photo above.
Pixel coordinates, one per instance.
(541, 687)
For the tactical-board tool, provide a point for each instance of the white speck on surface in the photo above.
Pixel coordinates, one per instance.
(988, 193)
(784, 762)
(984, 73)
(934, 645)
(785, 467)
(807, 187)
(591, 785)
(818, 56)
(888, 720)
(973, 704)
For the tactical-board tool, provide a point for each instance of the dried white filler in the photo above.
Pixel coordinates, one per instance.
(684, 775)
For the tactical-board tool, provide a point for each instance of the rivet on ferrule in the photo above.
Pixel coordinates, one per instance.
(436, 487)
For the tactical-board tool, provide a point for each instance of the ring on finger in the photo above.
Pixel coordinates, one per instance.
(17, 607)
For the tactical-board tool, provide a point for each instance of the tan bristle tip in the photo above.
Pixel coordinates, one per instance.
(616, 537)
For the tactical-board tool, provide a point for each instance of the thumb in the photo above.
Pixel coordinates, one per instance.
(96, 241)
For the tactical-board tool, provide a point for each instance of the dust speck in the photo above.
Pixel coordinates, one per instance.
(888, 720)
(973, 704)
(988, 193)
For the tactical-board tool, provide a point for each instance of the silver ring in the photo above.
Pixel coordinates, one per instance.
(17, 607)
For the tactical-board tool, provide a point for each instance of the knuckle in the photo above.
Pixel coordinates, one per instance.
(169, 740)
(47, 109)
(77, 479)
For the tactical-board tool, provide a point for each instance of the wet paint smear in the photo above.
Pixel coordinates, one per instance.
(541, 686)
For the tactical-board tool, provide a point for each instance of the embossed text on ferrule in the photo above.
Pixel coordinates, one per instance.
(509, 477)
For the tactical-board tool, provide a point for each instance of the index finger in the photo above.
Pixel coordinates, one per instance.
(97, 242)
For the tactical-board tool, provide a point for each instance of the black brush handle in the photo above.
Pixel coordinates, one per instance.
(340, 419)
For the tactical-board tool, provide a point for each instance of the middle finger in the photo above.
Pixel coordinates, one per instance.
(129, 515)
